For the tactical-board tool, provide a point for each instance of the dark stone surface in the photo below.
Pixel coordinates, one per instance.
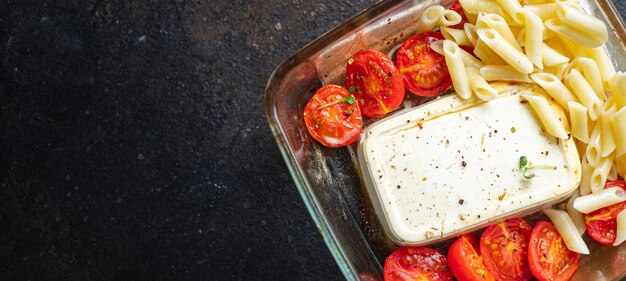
(134, 146)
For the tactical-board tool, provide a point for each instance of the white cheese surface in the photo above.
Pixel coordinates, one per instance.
(452, 166)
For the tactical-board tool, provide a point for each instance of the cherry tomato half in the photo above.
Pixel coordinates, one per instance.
(423, 70)
(416, 263)
(456, 6)
(504, 248)
(465, 262)
(332, 117)
(602, 224)
(549, 258)
(379, 88)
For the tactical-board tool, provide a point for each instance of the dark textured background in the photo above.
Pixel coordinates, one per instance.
(133, 143)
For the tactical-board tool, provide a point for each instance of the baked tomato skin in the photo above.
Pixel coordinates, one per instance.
(456, 6)
(548, 257)
(423, 70)
(465, 261)
(379, 88)
(602, 224)
(416, 263)
(331, 119)
(504, 248)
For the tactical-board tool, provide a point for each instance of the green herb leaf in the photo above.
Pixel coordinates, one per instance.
(523, 161)
(528, 176)
(352, 89)
(350, 99)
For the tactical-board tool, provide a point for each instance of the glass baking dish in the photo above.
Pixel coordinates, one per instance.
(329, 180)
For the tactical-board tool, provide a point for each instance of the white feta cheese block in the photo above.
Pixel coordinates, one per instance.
(451, 166)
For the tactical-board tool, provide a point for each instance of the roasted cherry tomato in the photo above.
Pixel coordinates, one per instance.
(333, 117)
(456, 6)
(602, 224)
(504, 248)
(416, 263)
(379, 88)
(465, 262)
(548, 257)
(423, 70)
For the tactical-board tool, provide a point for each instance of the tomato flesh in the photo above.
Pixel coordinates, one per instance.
(423, 70)
(456, 6)
(465, 262)
(504, 247)
(379, 88)
(416, 263)
(336, 125)
(549, 258)
(602, 224)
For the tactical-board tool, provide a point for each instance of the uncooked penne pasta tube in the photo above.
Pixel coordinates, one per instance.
(504, 73)
(543, 11)
(578, 19)
(456, 35)
(548, 117)
(585, 177)
(430, 18)
(568, 231)
(486, 55)
(600, 174)
(505, 50)
(479, 85)
(577, 217)
(617, 84)
(594, 151)
(607, 70)
(607, 138)
(475, 6)
(578, 121)
(454, 61)
(514, 9)
(589, 69)
(618, 123)
(551, 57)
(449, 18)
(620, 233)
(584, 92)
(607, 197)
(556, 70)
(573, 34)
(470, 33)
(553, 86)
(498, 23)
(533, 39)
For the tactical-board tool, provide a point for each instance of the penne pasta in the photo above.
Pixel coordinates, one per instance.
(568, 231)
(573, 34)
(617, 84)
(454, 61)
(548, 117)
(534, 39)
(449, 18)
(607, 138)
(620, 233)
(534, 2)
(613, 172)
(514, 9)
(469, 60)
(556, 70)
(584, 92)
(498, 23)
(505, 50)
(585, 177)
(578, 121)
(437, 46)
(470, 33)
(594, 152)
(475, 6)
(551, 57)
(543, 11)
(589, 69)
(553, 86)
(618, 124)
(600, 174)
(578, 19)
(479, 85)
(485, 54)
(429, 18)
(620, 163)
(455, 35)
(577, 217)
(607, 197)
(503, 73)
(605, 66)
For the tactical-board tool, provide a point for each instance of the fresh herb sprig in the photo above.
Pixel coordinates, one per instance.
(527, 169)
(349, 99)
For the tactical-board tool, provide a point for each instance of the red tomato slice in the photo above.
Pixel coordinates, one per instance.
(504, 248)
(331, 120)
(602, 224)
(465, 262)
(416, 263)
(456, 6)
(423, 70)
(549, 258)
(379, 88)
